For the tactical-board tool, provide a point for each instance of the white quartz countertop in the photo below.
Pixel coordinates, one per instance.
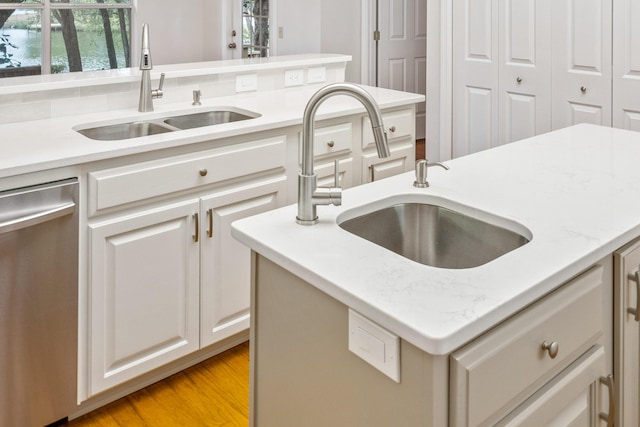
(576, 191)
(47, 144)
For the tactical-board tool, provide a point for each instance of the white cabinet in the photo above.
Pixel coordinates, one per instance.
(525, 67)
(166, 277)
(573, 398)
(400, 128)
(512, 369)
(144, 292)
(627, 333)
(225, 263)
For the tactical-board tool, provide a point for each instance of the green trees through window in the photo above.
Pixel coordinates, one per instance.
(58, 36)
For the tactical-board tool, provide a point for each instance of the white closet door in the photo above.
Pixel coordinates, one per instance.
(581, 73)
(475, 76)
(525, 69)
(626, 64)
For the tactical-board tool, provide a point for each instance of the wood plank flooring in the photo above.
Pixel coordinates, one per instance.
(212, 393)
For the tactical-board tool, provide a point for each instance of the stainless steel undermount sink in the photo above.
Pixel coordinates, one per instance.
(208, 118)
(434, 235)
(139, 128)
(124, 131)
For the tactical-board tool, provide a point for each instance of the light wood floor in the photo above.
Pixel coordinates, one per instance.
(212, 393)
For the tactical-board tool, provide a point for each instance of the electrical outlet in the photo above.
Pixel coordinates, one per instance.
(246, 82)
(280, 32)
(293, 78)
(317, 75)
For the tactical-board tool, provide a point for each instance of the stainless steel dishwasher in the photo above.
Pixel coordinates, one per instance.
(38, 303)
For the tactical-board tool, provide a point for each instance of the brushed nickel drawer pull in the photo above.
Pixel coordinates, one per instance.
(210, 230)
(331, 144)
(583, 89)
(195, 236)
(636, 311)
(392, 129)
(609, 418)
(551, 348)
(203, 172)
(519, 80)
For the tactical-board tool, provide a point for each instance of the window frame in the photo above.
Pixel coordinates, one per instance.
(46, 6)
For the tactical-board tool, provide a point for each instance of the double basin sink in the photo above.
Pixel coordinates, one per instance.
(139, 128)
(437, 236)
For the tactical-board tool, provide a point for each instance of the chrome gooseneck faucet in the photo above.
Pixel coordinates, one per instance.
(309, 194)
(147, 95)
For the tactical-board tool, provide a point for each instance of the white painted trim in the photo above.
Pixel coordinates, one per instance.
(367, 17)
(439, 80)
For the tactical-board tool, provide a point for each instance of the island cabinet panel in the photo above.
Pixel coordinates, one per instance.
(627, 333)
(144, 293)
(497, 372)
(305, 375)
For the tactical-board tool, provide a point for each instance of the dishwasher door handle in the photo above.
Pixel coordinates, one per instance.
(37, 218)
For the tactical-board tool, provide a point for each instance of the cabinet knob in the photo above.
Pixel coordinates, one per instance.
(583, 89)
(331, 144)
(392, 129)
(551, 348)
(519, 80)
(203, 172)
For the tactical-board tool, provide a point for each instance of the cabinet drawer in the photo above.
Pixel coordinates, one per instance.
(331, 139)
(507, 364)
(132, 183)
(398, 124)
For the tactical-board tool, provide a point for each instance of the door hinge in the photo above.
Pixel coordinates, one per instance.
(376, 35)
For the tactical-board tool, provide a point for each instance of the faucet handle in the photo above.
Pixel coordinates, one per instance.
(422, 166)
(157, 93)
(196, 97)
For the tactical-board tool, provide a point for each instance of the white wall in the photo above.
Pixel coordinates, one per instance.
(341, 33)
(176, 30)
(300, 21)
(193, 30)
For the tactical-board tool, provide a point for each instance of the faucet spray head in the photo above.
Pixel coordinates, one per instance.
(145, 57)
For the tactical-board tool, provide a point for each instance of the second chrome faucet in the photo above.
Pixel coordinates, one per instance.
(147, 95)
(309, 194)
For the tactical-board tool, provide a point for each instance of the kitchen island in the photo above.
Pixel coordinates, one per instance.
(572, 193)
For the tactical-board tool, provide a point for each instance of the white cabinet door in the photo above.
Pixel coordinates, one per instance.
(225, 262)
(627, 333)
(525, 69)
(402, 159)
(144, 292)
(581, 73)
(626, 65)
(575, 398)
(475, 75)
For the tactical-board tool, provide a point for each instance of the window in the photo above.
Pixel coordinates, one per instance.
(255, 28)
(59, 36)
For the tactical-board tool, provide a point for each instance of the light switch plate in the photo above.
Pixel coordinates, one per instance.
(375, 345)
(317, 75)
(246, 82)
(293, 78)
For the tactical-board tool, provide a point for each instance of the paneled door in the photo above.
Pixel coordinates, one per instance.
(581, 73)
(475, 75)
(626, 65)
(501, 72)
(525, 69)
(402, 50)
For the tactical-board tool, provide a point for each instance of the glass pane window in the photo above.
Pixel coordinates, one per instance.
(89, 39)
(255, 28)
(77, 35)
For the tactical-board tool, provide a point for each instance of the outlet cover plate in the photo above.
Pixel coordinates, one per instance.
(293, 78)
